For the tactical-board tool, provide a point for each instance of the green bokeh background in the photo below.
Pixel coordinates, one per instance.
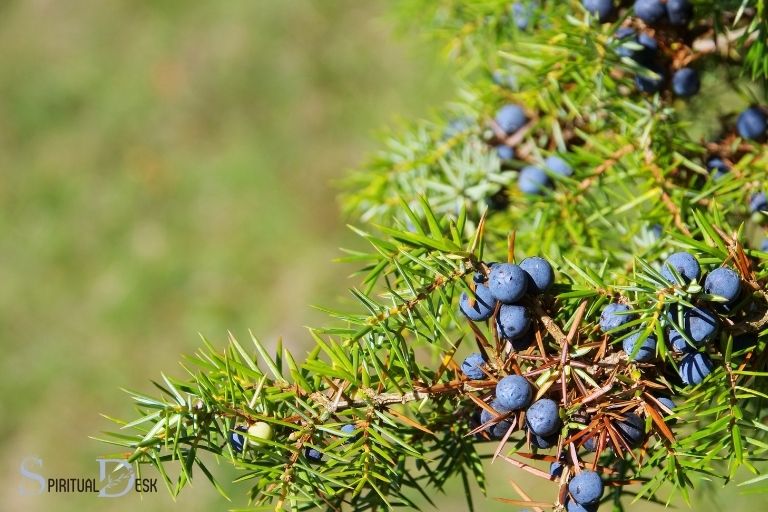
(166, 170)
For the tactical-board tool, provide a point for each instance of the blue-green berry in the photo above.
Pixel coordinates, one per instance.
(473, 366)
(686, 82)
(483, 307)
(679, 12)
(695, 367)
(678, 343)
(613, 316)
(514, 392)
(523, 14)
(718, 168)
(505, 152)
(650, 11)
(586, 488)
(650, 80)
(758, 203)
(541, 277)
(558, 166)
(645, 352)
(700, 325)
(572, 506)
(533, 180)
(752, 124)
(313, 455)
(543, 417)
(632, 428)
(684, 264)
(601, 9)
(511, 118)
(666, 402)
(512, 322)
(544, 442)
(723, 282)
(507, 282)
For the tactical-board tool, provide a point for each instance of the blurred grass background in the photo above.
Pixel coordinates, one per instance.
(166, 170)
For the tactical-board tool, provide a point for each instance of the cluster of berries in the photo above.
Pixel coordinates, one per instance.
(507, 284)
(513, 406)
(690, 328)
(643, 48)
(261, 431)
(532, 179)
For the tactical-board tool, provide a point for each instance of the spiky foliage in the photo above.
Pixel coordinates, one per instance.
(438, 205)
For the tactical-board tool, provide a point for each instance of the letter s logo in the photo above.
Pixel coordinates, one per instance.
(27, 473)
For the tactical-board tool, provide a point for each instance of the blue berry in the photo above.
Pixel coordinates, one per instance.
(473, 365)
(533, 180)
(657, 230)
(679, 344)
(511, 118)
(679, 12)
(684, 264)
(544, 442)
(718, 168)
(758, 203)
(633, 428)
(752, 123)
(504, 79)
(483, 307)
(700, 325)
(514, 392)
(313, 455)
(602, 9)
(610, 317)
(723, 282)
(628, 34)
(590, 444)
(558, 166)
(457, 126)
(522, 14)
(586, 488)
(650, 83)
(622, 50)
(647, 55)
(237, 439)
(524, 341)
(505, 152)
(646, 351)
(540, 274)
(666, 402)
(507, 282)
(685, 82)
(348, 429)
(764, 245)
(513, 321)
(543, 417)
(694, 367)
(650, 11)
(572, 506)
(499, 429)
(479, 278)
(486, 415)
(556, 469)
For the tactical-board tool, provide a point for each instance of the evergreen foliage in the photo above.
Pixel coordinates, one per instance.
(626, 181)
